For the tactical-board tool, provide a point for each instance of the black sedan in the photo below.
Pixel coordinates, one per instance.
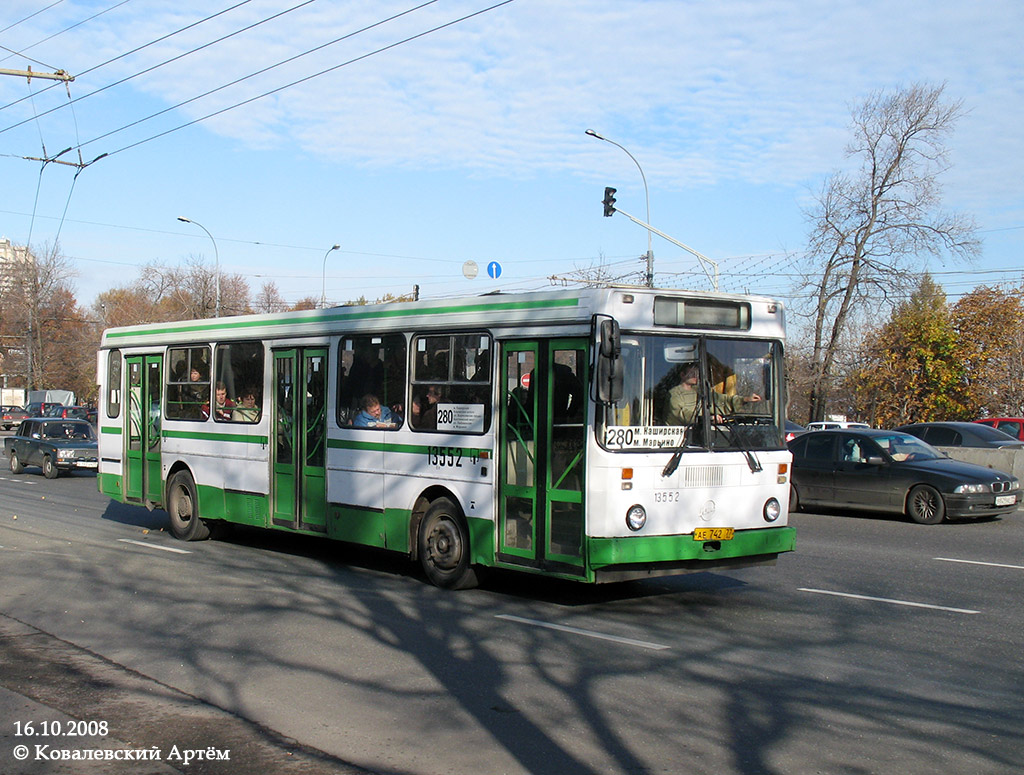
(54, 445)
(961, 434)
(880, 470)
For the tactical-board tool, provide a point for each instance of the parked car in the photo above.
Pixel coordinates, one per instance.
(878, 470)
(1012, 426)
(68, 412)
(793, 430)
(960, 434)
(11, 416)
(828, 425)
(55, 445)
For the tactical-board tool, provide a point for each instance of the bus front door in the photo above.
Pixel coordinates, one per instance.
(143, 479)
(542, 444)
(299, 488)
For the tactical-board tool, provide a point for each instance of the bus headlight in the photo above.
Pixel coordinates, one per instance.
(772, 510)
(636, 517)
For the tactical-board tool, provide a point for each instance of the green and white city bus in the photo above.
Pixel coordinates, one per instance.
(596, 435)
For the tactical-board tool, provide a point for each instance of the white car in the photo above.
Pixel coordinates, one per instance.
(831, 425)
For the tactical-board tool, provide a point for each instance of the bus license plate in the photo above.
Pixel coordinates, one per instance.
(713, 534)
(1006, 500)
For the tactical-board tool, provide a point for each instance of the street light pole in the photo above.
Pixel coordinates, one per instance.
(647, 198)
(216, 256)
(323, 288)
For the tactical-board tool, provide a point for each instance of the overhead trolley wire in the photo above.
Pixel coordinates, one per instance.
(137, 49)
(360, 58)
(47, 8)
(56, 34)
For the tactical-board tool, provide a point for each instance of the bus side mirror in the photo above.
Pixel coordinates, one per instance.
(610, 373)
(611, 339)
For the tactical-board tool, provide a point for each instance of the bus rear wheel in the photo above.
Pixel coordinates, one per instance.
(444, 546)
(183, 509)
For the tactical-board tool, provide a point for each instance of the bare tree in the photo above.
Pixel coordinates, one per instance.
(869, 227)
(269, 299)
(43, 327)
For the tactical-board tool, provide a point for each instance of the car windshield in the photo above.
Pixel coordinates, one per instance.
(698, 393)
(79, 431)
(903, 446)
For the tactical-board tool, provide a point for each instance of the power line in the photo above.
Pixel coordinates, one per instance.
(134, 51)
(56, 34)
(293, 83)
(20, 21)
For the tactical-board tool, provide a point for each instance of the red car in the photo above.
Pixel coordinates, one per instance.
(1013, 426)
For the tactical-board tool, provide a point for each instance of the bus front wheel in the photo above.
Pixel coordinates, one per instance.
(444, 547)
(183, 509)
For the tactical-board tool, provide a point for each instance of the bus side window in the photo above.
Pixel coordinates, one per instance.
(371, 366)
(188, 382)
(239, 371)
(451, 383)
(114, 383)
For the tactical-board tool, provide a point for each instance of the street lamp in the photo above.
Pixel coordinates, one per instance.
(216, 256)
(323, 287)
(650, 252)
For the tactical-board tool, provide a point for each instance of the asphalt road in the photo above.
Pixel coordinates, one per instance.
(879, 646)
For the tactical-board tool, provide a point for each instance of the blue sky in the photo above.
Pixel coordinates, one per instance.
(468, 143)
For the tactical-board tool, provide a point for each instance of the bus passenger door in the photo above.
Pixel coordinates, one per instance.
(299, 487)
(542, 442)
(143, 479)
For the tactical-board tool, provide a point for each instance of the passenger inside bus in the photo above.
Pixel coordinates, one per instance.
(373, 415)
(248, 410)
(424, 408)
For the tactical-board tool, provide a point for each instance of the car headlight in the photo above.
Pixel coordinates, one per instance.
(772, 510)
(970, 489)
(636, 517)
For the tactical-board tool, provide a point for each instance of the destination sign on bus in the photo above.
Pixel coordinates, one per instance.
(645, 437)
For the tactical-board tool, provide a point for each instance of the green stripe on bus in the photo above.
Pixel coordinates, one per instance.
(409, 449)
(346, 316)
(628, 550)
(201, 436)
(113, 429)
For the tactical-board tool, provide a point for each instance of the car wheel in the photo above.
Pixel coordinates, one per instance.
(925, 505)
(16, 466)
(183, 509)
(50, 471)
(444, 546)
(794, 499)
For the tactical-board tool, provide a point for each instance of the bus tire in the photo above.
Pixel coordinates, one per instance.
(183, 509)
(444, 549)
(794, 499)
(50, 471)
(16, 466)
(925, 505)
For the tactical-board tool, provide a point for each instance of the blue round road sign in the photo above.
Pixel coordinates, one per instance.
(494, 270)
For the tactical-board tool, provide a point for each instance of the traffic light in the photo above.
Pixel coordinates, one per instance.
(609, 202)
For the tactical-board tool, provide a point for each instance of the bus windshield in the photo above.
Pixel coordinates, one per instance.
(696, 393)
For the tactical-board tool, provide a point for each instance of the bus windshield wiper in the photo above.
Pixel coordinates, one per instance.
(742, 442)
(677, 455)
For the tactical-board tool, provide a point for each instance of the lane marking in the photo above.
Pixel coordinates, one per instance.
(587, 633)
(889, 600)
(154, 546)
(978, 562)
